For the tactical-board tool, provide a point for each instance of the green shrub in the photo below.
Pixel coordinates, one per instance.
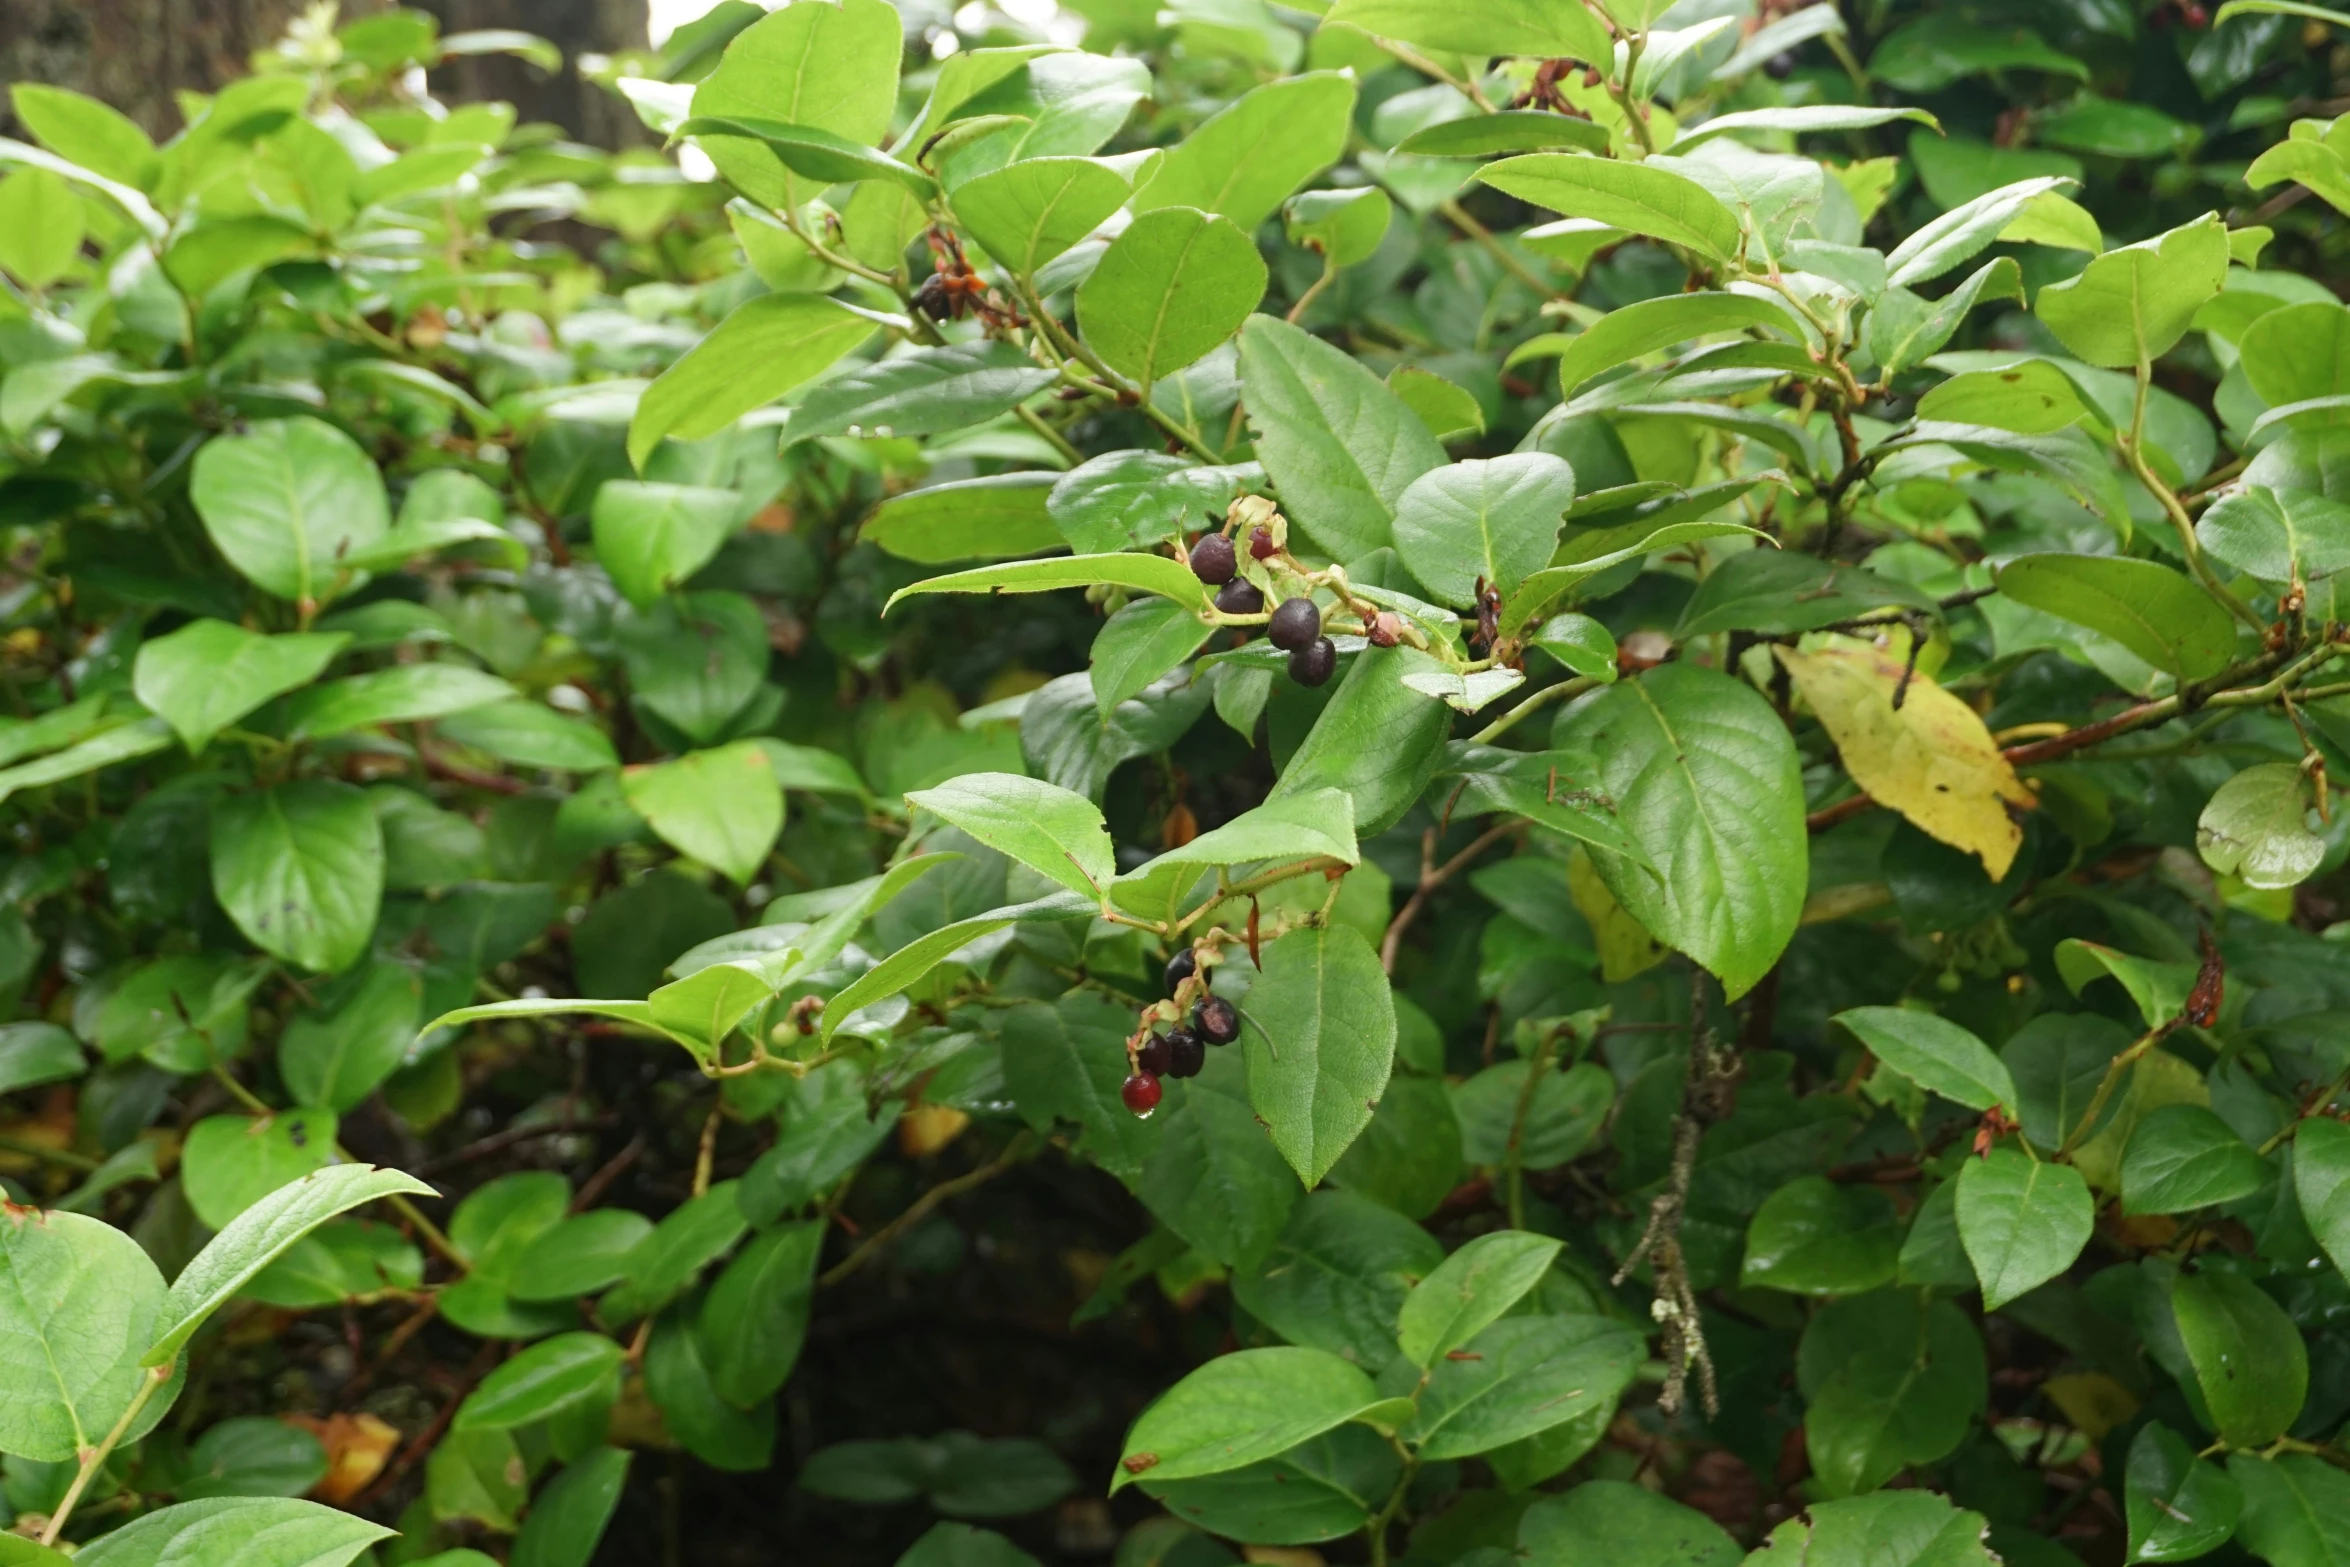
(1746, 963)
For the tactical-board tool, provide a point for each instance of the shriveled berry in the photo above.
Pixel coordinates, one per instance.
(1153, 1056)
(1240, 597)
(1294, 624)
(1260, 543)
(1140, 1093)
(1314, 663)
(1216, 1020)
(1385, 630)
(1779, 67)
(1189, 1055)
(1213, 560)
(1180, 967)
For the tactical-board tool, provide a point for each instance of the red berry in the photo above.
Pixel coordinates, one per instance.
(1153, 1057)
(1240, 597)
(1260, 543)
(1140, 1093)
(1216, 1020)
(1315, 663)
(1213, 560)
(1294, 625)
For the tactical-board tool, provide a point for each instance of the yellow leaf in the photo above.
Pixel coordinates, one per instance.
(1931, 759)
(2091, 1400)
(1625, 946)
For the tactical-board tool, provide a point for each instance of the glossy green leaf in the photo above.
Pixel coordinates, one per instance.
(1494, 519)
(652, 537)
(1938, 1055)
(300, 868)
(286, 500)
(2022, 1220)
(2247, 1355)
(763, 349)
(1051, 830)
(2132, 305)
(920, 392)
(1518, 1378)
(250, 1531)
(1473, 1289)
(1320, 1035)
(542, 1382)
(1240, 1408)
(569, 1517)
(721, 807)
(2256, 828)
(1242, 161)
(208, 674)
(1145, 573)
(2179, 1506)
(2156, 612)
(1635, 197)
(1175, 284)
(1814, 1237)
(1612, 1523)
(1378, 740)
(1027, 213)
(79, 1302)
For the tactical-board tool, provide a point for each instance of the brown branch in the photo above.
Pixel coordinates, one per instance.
(499, 1142)
(1018, 1151)
(1431, 878)
(441, 765)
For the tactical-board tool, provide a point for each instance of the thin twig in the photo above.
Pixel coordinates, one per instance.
(1431, 879)
(1017, 1151)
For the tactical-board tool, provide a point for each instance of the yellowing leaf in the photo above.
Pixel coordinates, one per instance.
(1625, 946)
(1931, 759)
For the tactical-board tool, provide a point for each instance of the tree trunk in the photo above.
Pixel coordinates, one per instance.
(584, 110)
(135, 54)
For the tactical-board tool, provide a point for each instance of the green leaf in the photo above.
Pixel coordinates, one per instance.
(529, 735)
(258, 1236)
(1139, 644)
(127, 743)
(1314, 824)
(1804, 120)
(233, 1161)
(1521, 27)
(1602, 548)
(813, 152)
(1638, 198)
(1518, 1378)
(921, 392)
(997, 517)
(2022, 1220)
(1028, 212)
(1624, 334)
(1244, 160)
(1144, 573)
(832, 67)
(1814, 1237)
(1472, 1290)
(1891, 1380)
(1344, 227)
(919, 956)
(286, 500)
(2030, 398)
(1707, 782)
(1130, 499)
(764, 348)
(1053, 831)
(2179, 1506)
(208, 674)
(722, 807)
(335, 1057)
(1212, 1175)
(252, 1456)
(1938, 1055)
(403, 694)
(1064, 1063)
(1780, 591)
(95, 135)
(1498, 519)
(756, 1316)
(1510, 130)
(1613, 1523)
(1175, 284)
(2277, 535)
(2256, 827)
(1340, 445)
(1335, 1277)
(1321, 1044)
(964, 1545)
(2296, 1509)
(2132, 305)
(250, 1531)
(1964, 230)
(79, 1301)
(544, 1381)
(652, 537)
(1889, 1529)
(1320, 1489)
(1934, 51)
(1241, 1408)
(2321, 1180)
(33, 1054)
(1378, 740)
(2159, 614)
(299, 867)
(578, 1255)
(569, 1517)
(1904, 329)
(2247, 1354)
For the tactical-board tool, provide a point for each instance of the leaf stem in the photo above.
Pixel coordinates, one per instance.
(96, 1457)
(2133, 447)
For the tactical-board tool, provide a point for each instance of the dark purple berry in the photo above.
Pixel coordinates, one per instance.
(1216, 1020)
(1188, 1054)
(1260, 543)
(1153, 1057)
(1213, 560)
(1779, 67)
(1140, 1093)
(1240, 597)
(1315, 663)
(1295, 624)
(1180, 967)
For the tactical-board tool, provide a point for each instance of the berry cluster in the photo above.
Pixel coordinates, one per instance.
(1296, 625)
(1182, 1050)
